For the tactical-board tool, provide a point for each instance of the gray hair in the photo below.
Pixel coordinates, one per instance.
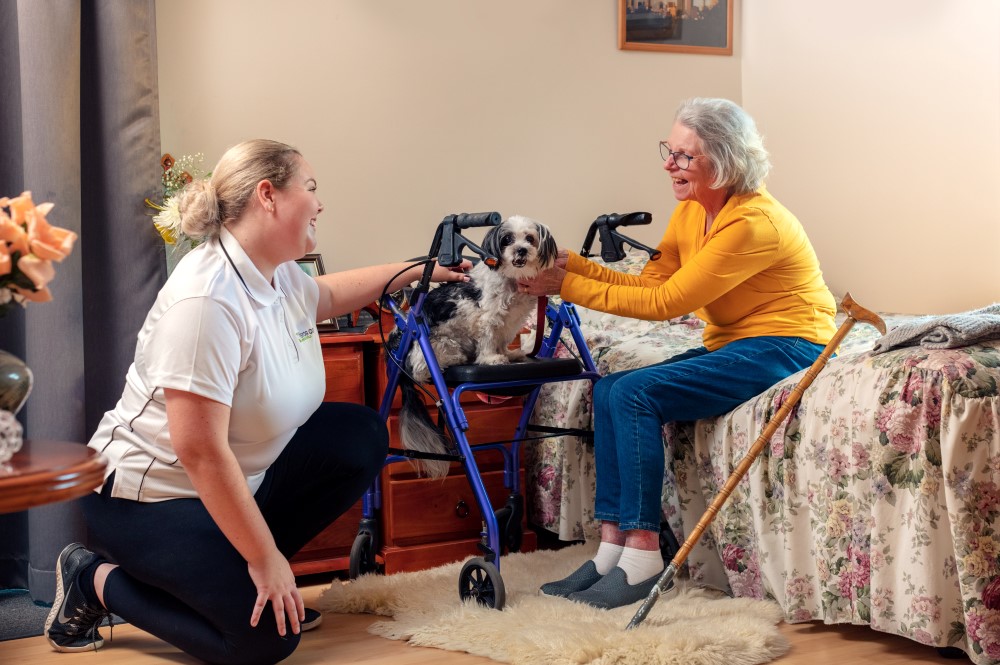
(730, 140)
(206, 204)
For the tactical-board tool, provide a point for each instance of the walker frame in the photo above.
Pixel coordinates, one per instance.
(480, 577)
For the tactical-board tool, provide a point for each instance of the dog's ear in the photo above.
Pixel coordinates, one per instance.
(547, 249)
(491, 244)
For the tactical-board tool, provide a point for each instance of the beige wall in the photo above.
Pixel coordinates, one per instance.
(412, 110)
(884, 128)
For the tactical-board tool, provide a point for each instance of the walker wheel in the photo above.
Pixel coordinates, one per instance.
(481, 580)
(362, 556)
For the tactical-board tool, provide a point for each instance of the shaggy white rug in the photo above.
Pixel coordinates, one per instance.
(688, 625)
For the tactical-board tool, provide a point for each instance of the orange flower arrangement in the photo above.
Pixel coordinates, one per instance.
(28, 246)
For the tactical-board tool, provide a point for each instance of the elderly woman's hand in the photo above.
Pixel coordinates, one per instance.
(546, 283)
(452, 274)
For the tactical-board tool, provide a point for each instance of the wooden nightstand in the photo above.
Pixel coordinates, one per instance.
(429, 522)
(422, 522)
(344, 359)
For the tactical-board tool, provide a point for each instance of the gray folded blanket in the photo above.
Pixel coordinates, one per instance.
(944, 332)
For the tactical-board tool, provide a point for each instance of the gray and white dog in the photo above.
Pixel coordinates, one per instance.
(474, 322)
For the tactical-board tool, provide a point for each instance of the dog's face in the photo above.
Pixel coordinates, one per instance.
(525, 247)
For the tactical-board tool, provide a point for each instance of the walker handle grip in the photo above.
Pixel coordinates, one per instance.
(615, 220)
(467, 220)
(449, 241)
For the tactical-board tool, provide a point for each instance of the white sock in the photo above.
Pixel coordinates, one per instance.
(640, 565)
(607, 557)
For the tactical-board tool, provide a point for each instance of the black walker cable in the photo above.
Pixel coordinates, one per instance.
(381, 328)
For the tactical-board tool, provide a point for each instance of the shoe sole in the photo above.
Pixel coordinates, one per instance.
(310, 625)
(54, 612)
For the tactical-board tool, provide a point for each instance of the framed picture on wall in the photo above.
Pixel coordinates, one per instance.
(312, 265)
(677, 26)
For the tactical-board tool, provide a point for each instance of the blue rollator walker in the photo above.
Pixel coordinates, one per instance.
(480, 576)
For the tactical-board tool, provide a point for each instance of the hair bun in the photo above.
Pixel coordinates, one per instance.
(199, 208)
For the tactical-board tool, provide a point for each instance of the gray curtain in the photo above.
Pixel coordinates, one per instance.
(79, 126)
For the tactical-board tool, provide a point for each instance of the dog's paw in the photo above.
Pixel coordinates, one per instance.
(516, 355)
(492, 359)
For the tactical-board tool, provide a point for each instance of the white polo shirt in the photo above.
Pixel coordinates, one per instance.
(220, 330)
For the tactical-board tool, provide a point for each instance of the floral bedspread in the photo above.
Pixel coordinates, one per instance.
(877, 502)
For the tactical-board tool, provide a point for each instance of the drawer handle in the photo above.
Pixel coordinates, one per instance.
(461, 509)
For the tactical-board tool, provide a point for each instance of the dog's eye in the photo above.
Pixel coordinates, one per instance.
(506, 239)
(530, 238)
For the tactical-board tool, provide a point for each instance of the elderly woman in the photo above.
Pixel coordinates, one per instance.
(737, 258)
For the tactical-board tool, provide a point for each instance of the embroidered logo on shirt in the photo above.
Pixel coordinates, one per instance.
(305, 335)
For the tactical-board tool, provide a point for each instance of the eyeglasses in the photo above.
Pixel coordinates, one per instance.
(681, 159)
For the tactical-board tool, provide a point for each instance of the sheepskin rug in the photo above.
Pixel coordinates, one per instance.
(688, 625)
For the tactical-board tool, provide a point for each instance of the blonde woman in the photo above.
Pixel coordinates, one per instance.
(223, 459)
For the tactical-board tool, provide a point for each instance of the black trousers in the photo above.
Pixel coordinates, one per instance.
(181, 580)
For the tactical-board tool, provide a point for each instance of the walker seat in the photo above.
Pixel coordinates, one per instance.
(532, 371)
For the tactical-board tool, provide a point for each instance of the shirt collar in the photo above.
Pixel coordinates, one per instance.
(255, 284)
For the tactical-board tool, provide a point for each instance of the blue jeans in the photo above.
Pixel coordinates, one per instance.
(631, 407)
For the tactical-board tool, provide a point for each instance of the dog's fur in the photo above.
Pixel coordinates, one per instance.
(473, 323)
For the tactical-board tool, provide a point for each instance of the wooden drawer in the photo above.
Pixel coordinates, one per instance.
(486, 424)
(421, 511)
(345, 376)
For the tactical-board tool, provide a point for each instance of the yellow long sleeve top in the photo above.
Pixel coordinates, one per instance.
(754, 273)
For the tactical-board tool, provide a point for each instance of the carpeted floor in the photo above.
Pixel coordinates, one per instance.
(688, 625)
(20, 616)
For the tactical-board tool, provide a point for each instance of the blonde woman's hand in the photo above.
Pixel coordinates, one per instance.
(275, 582)
(452, 274)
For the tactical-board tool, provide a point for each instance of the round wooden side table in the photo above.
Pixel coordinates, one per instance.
(45, 472)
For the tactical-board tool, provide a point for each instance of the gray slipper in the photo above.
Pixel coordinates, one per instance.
(613, 590)
(582, 578)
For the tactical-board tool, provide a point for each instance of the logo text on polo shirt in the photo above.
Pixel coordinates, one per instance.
(305, 335)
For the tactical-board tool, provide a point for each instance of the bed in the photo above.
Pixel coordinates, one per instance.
(877, 502)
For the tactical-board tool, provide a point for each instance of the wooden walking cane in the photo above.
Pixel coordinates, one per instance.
(855, 313)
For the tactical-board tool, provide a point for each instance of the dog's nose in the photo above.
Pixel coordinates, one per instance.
(521, 252)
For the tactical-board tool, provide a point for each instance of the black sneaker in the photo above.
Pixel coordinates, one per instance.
(313, 619)
(72, 623)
